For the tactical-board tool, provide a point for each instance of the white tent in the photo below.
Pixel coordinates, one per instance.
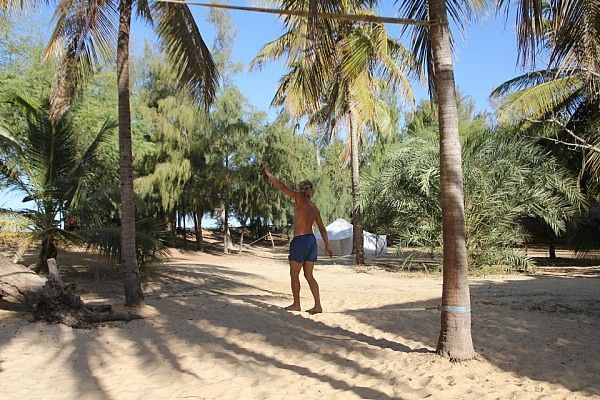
(340, 233)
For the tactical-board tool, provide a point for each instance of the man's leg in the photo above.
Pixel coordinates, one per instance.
(295, 268)
(314, 286)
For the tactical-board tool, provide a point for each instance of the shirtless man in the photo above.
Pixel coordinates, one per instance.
(303, 248)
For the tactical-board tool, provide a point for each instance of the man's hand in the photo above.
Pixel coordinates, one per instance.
(328, 251)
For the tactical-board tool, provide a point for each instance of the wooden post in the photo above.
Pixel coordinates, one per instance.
(271, 239)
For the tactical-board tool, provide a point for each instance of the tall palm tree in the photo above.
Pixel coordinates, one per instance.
(85, 34)
(334, 82)
(433, 46)
(455, 332)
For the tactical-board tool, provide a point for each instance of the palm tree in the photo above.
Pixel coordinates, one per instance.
(85, 34)
(560, 104)
(455, 333)
(432, 47)
(46, 166)
(432, 44)
(334, 82)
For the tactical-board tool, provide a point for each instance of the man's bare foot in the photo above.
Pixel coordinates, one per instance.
(293, 307)
(315, 310)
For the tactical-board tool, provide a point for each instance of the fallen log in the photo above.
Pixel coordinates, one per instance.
(49, 299)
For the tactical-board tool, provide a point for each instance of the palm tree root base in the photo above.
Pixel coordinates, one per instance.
(58, 305)
(48, 300)
(455, 340)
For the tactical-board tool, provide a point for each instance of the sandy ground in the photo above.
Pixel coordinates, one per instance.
(216, 330)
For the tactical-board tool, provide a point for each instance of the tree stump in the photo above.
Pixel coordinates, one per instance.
(49, 299)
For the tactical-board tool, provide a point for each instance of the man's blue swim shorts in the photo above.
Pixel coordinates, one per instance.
(303, 248)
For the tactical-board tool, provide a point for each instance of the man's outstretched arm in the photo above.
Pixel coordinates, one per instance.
(323, 232)
(277, 183)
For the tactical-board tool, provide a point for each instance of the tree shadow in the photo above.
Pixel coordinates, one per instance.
(284, 332)
(521, 326)
(201, 305)
(525, 326)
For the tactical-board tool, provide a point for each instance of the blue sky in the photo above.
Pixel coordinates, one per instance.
(485, 56)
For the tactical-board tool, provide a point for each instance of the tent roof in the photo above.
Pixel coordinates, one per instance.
(338, 230)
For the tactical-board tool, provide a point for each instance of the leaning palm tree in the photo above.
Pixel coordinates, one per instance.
(334, 82)
(87, 33)
(44, 165)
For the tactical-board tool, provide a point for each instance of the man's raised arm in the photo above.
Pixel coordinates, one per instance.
(323, 232)
(277, 183)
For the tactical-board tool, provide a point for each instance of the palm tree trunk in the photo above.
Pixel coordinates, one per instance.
(455, 335)
(173, 224)
(129, 267)
(48, 249)
(356, 214)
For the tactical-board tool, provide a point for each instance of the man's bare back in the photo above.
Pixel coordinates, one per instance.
(305, 216)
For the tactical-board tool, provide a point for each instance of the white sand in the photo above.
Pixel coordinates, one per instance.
(538, 337)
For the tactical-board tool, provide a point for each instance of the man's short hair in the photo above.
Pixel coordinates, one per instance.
(306, 188)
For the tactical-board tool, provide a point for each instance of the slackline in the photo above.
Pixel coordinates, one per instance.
(346, 17)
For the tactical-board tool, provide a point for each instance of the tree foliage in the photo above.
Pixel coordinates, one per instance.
(47, 167)
(507, 179)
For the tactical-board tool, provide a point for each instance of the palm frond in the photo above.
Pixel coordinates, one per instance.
(13, 222)
(84, 37)
(8, 140)
(540, 100)
(460, 13)
(144, 11)
(524, 81)
(80, 171)
(24, 104)
(529, 22)
(575, 34)
(151, 240)
(10, 173)
(272, 51)
(185, 47)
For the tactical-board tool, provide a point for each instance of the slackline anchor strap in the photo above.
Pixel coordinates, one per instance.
(456, 309)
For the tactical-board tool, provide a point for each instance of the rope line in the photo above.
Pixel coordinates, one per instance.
(346, 17)
(260, 238)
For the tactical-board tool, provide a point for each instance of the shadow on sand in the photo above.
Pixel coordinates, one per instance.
(520, 326)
